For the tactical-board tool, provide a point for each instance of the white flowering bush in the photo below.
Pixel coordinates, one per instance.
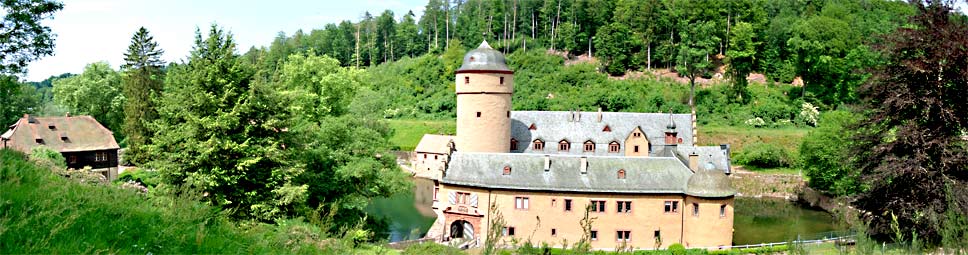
(755, 122)
(809, 115)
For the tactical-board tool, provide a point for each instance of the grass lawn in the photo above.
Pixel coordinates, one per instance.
(407, 133)
(738, 137)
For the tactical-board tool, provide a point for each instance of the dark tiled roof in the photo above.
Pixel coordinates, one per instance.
(651, 175)
(80, 133)
(551, 127)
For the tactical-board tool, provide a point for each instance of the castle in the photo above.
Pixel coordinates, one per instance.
(645, 182)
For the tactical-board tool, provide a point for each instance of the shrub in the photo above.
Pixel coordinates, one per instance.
(48, 157)
(677, 249)
(825, 154)
(765, 155)
(146, 177)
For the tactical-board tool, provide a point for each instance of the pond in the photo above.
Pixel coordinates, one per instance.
(768, 220)
(409, 214)
(758, 220)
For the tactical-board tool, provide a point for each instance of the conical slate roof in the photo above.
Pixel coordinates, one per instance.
(484, 58)
(709, 183)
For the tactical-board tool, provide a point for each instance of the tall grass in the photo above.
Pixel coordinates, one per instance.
(44, 213)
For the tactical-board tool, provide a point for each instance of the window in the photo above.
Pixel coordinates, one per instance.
(671, 206)
(514, 144)
(435, 156)
(613, 147)
(722, 211)
(51, 126)
(594, 235)
(564, 145)
(521, 203)
(624, 206)
(598, 206)
(425, 156)
(100, 156)
(462, 197)
(38, 140)
(507, 170)
(508, 231)
(695, 209)
(636, 148)
(509, 114)
(502, 80)
(554, 202)
(636, 134)
(73, 159)
(467, 80)
(623, 235)
(538, 145)
(554, 232)
(478, 114)
(621, 173)
(436, 190)
(589, 146)
(567, 205)
(658, 235)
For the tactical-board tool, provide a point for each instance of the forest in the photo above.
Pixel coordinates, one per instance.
(301, 128)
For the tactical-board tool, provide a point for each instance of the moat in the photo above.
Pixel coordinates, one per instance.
(758, 220)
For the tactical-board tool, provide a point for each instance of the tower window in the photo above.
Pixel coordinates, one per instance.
(478, 114)
(509, 114)
(467, 80)
(722, 211)
(538, 145)
(695, 209)
(613, 147)
(502, 80)
(514, 144)
(564, 145)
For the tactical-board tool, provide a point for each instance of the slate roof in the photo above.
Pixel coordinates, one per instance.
(709, 183)
(717, 155)
(434, 144)
(553, 126)
(644, 175)
(82, 133)
(484, 58)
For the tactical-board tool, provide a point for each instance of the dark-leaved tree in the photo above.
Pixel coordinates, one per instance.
(912, 148)
(141, 81)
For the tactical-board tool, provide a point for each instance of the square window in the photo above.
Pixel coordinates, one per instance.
(598, 206)
(521, 203)
(671, 206)
(623, 235)
(624, 206)
(478, 114)
(508, 231)
(657, 235)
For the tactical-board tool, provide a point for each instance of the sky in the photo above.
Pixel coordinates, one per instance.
(100, 30)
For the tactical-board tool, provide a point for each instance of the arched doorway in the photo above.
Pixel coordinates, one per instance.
(461, 229)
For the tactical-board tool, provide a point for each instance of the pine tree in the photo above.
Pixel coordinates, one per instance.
(142, 81)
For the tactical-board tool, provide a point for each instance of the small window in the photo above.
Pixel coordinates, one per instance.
(478, 114)
(589, 146)
(680, 140)
(532, 127)
(598, 206)
(502, 80)
(607, 129)
(554, 202)
(554, 232)
(39, 140)
(73, 159)
(514, 144)
(507, 170)
(636, 134)
(564, 145)
(467, 80)
(51, 126)
(508, 231)
(435, 156)
(613, 147)
(425, 156)
(100, 156)
(623, 235)
(462, 197)
(624, 206)
(621, 173)
(436, 190)
(722, 211)
(658, 235)
(594, 235)
(567, 205)
(538, 145)
(509, 114)
(636, 148)
(521, 203)
(695, 209)
(671, 206)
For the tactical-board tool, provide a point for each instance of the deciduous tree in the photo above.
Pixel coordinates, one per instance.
(22, 36)
(96, 92)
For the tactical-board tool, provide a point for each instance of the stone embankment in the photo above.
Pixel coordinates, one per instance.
(757, 185)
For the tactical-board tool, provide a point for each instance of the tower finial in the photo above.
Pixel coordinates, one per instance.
(484, 45)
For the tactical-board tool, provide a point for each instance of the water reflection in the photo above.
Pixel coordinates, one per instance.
(409, 214)
(763, 220)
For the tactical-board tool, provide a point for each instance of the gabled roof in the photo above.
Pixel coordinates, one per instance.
(63, 134)
(643, 175)
(434, 144)
(551, 126)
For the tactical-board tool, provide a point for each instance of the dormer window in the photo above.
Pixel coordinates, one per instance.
(63, 136)
(538, 145)
(467, 80)
(589, 146)
(564, 145)
(613, 147)
(39, 140)
(507, 170)
(51, 126)
(621, 173)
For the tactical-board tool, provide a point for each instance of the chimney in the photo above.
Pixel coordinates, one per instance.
(599, 114)
(671, 136)
(547, 163)
(584, 165)
(571, 116)
(694, 161)
(577, 115)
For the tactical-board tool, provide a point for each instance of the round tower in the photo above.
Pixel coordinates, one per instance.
(484, 88)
